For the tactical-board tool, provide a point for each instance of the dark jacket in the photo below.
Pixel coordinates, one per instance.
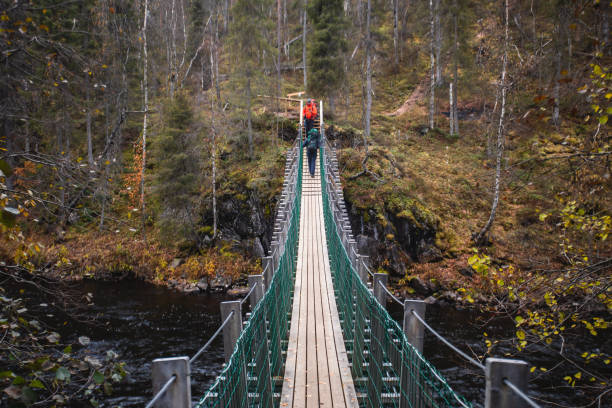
(313, 135)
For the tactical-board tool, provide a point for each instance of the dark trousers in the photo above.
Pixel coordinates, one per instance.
(312, 160)
(309, 123)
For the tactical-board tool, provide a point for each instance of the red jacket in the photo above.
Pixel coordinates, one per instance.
(310, 111)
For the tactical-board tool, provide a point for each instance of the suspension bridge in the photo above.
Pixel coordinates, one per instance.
(318, 334)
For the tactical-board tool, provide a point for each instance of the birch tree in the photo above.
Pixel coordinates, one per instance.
(454, 128)
(432, 79)
(500, 134)
(145, 87)
(304, 25)
(437, 41)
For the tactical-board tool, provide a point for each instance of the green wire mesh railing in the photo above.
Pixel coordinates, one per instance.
(387, 370)
(255, 369)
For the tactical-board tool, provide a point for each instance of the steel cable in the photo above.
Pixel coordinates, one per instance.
(161, 392)
(443, 340)
(208, 343)
(520, 393)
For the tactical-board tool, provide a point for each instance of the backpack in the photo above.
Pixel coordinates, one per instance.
(313, 140)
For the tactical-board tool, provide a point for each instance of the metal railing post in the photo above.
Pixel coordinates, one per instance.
(415, 331)
(267, 266)
(231, 332)
(499, 395)
(258, 292)
(377, 334)
(178, 394)
(380, 280)
(410, 396)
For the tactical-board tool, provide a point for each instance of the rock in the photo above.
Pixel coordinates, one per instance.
(469, 272)
(191, 289)
(220, 283)
(242, 291)
(430, 300)
(176, 262)
(450, 295)
(202, 285)
(429, 253)
(258, 250)
(419, 286)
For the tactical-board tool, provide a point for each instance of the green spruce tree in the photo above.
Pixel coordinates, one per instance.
(249, 45)
(325, 48)
(178, 165)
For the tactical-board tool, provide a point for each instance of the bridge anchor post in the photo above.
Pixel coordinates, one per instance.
(179, 393)
(497, 393)
(415, 331)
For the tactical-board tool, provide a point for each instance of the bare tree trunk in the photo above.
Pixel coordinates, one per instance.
(279, 44)
(500, 136)
(395, 33)
(90, 159)
(451, 115)
(225, 15)
(172, 54)
(249, 119)
(184, 38)
(304, 21)
(216, 49)
(214, 167)
(432, 84)
(438, 42)
(145, 85)
(556, 87)
(455, 73)
(368, 111)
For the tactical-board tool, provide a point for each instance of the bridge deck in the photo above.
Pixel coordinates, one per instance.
(317, 372)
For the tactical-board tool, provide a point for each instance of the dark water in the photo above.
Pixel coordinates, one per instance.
(464, 328)
(142, 322)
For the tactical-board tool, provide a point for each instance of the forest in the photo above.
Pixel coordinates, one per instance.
(146, 139)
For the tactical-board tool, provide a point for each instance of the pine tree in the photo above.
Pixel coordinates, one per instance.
(178, 165)
(248, 42)
(326, 46)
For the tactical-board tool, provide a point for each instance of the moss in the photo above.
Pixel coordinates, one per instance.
(403, 206)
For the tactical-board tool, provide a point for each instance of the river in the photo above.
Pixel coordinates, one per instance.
(141, 322)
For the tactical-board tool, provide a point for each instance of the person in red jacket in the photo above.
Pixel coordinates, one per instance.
(310, 113)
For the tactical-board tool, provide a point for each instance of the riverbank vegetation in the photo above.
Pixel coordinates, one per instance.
(147, 139)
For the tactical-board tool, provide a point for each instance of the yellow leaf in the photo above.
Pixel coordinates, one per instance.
(520, 334)
(519, 319)
(543, 369)
(104, 66)
(469, 299)
(578, 375)
(533, 369)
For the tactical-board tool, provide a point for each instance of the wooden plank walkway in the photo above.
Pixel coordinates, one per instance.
(317, 371)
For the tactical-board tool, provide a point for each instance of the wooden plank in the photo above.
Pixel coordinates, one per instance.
(312, 379)
(348, 387)
(291, 360)
(325, 397)
(317, 372)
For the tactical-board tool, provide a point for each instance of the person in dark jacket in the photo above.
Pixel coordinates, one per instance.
(312, 144)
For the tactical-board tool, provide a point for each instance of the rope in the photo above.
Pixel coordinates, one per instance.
(162, 391)
(248, 294)
(391, 294)
(443, 340)
(367, 269)
(208, 343)
(520, 393)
